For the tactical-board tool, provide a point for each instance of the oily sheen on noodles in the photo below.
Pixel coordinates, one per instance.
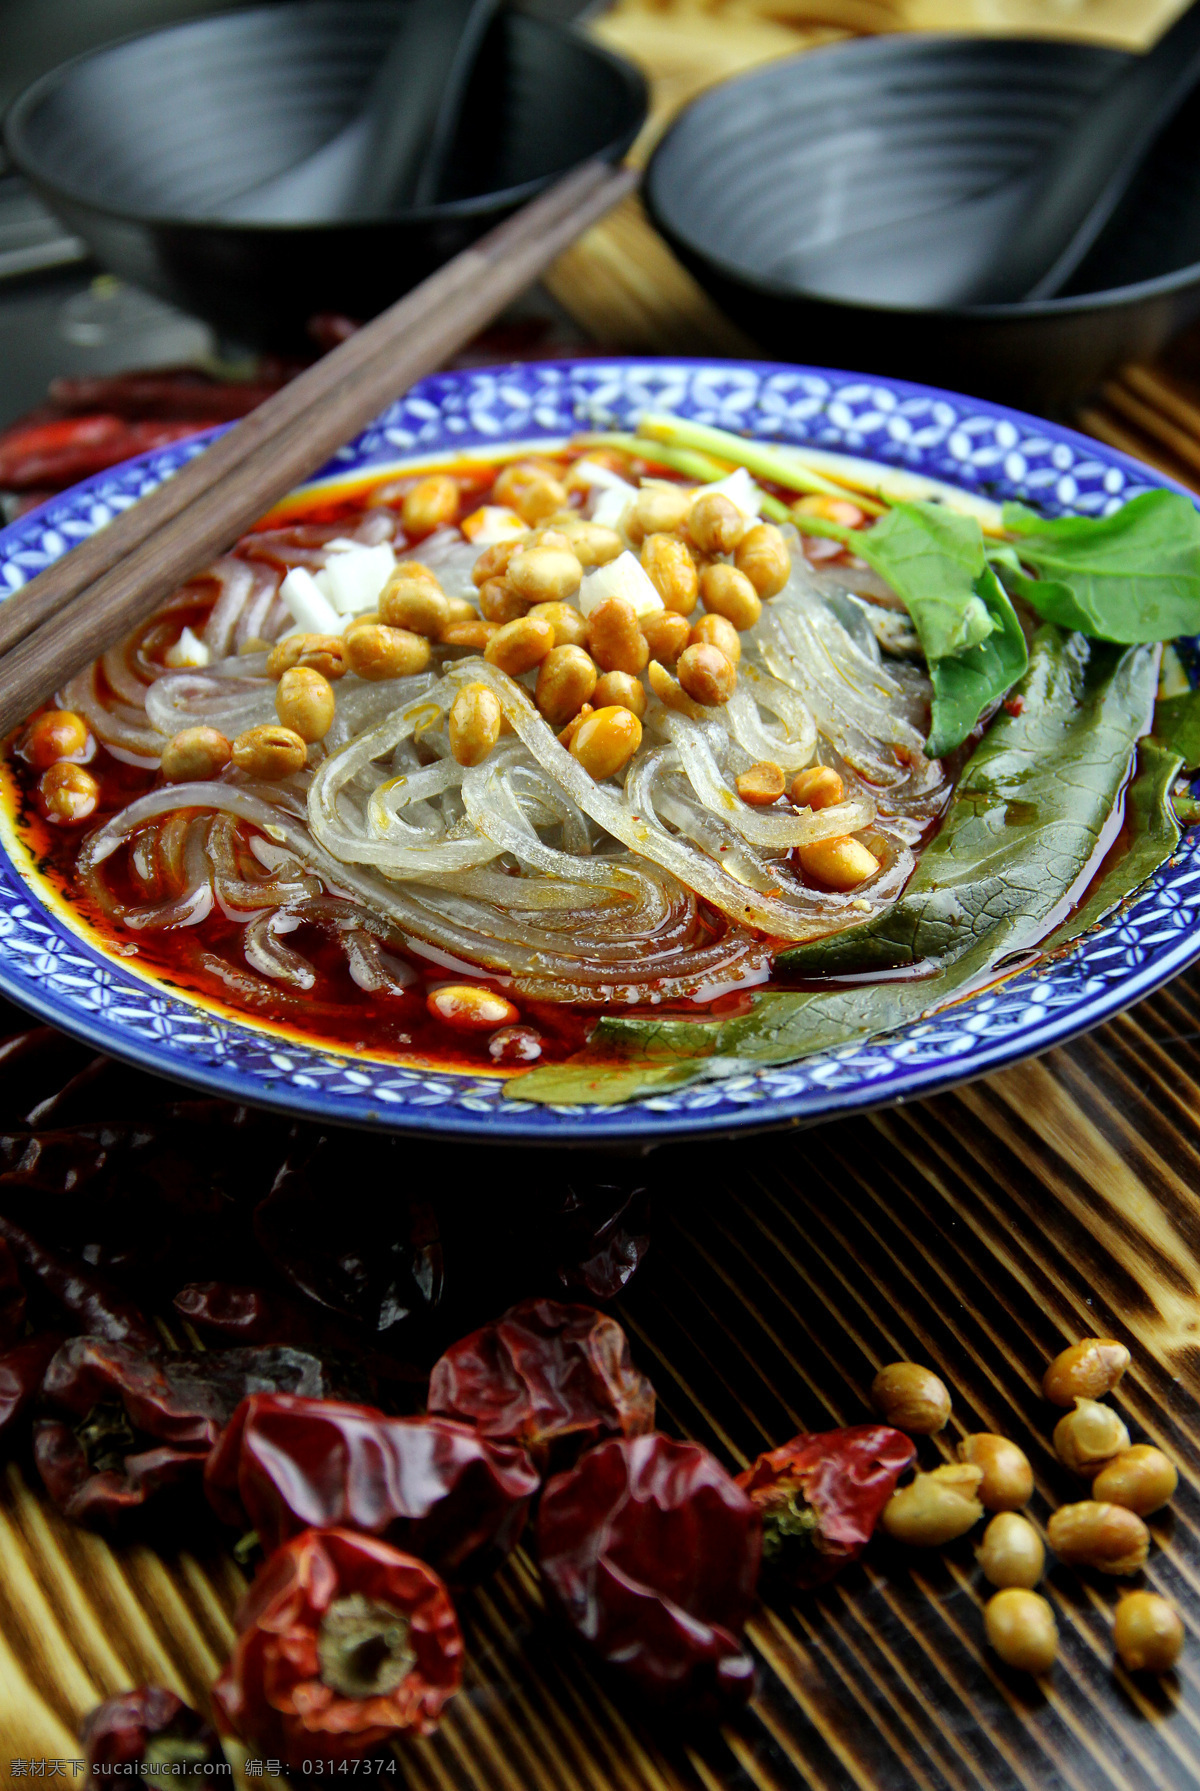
(662, 885)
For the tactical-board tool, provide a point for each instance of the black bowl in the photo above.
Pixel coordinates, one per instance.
(836, 140)
(138, 145)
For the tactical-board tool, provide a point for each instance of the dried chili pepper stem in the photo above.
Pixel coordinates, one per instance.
(107, 1437)
(364, 1647)
(150, 1732)
(821, 1495)
(787, 1520)
(345, 1644)
(175, 1752)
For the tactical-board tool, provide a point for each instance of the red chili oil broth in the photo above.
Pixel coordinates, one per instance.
(336, 1011)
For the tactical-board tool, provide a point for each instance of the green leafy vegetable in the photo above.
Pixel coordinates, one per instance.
(1132, 576)
(1152, 834)
(1020, 833)
(1177, 726)
(603, 1084)
(965, 684)
(934, 560)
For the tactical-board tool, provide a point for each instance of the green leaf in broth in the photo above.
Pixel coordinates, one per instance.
(932, 558)
(1025, 818)
(600, 1084)
(1177, 727)
(1034, 800)
(966, 684)
(1152, 834)
(1129, 577)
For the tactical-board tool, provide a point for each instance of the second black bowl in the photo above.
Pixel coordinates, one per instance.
(814, 148)
(136, 146)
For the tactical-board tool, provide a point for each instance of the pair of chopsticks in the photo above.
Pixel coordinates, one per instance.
(65, 617)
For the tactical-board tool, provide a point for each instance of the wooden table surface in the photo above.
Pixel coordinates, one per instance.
(977, 1232)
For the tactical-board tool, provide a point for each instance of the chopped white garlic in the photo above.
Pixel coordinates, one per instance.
(741, 491)
(311, 609)
(622, 577)
(354, 577)
(591, 472)
(610, 505)
(187, 650)
(492, 523)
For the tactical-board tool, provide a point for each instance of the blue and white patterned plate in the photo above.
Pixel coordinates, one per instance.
(48, 966)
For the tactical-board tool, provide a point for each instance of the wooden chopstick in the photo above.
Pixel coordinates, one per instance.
(47, 593)
(77, 607)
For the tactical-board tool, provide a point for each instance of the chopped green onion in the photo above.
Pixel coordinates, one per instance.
(691, 464)
(822, 525)
(783, 466)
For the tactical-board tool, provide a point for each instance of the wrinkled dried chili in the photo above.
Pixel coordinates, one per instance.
(88, 1300)
(226, 1312)
(428, 1485)
(604, 1232)
(148, 1732)
(31, 1062)
(377, 1263)
(554, 1378)
(59, 452)
(143, 1423)
(13, 1300)
(181, 393)
(821, 1497)
(651, 1551)
(21, 1370)
(345, 1643)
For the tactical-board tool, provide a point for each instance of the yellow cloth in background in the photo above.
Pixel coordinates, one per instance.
(1131, 23)
(620, 281)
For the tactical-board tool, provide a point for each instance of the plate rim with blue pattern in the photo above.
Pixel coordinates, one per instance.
(47, 967)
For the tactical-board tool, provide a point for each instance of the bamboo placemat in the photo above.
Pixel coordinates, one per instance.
(977, 1232)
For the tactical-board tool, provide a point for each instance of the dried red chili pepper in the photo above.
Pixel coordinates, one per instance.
(148, 1729)
(329, 329)
(429, 1485)
(95, 1475)
(185, 393)
(58, 453)
(180, 1399)
(112, 1174)
(143, 1424)
(554, 1378)
(821, 1496)
(604, 1234)
(226, 1314)
(21, 1370)
(345, 1643)
(376, 1263)
(33, 1062)
(96, 1308)
(12, 1298)
(223, 1311)
(651, 1551)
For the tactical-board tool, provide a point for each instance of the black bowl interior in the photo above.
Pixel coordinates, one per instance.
(173, 124)
(137, 147)
(760, 171)
(823, 146)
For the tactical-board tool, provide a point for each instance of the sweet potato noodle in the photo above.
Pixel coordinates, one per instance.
(662, 886)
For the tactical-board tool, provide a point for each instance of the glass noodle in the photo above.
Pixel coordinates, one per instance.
(658, 885)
